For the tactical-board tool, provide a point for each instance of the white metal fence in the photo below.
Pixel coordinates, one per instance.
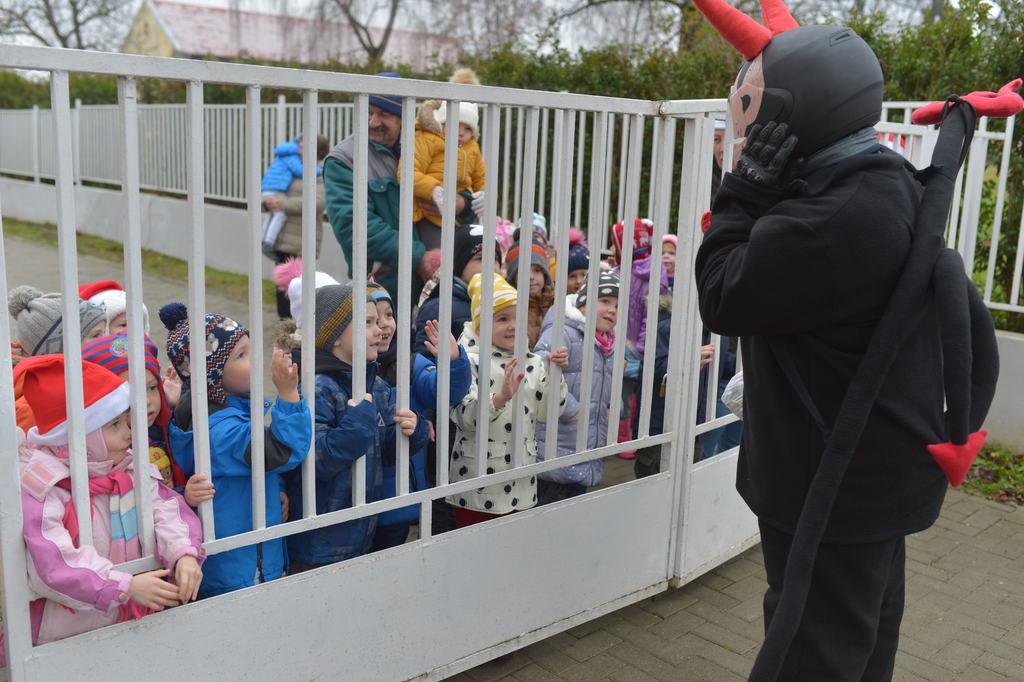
(377, 617)
(443, 603)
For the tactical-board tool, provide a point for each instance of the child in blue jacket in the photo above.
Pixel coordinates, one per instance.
(393, 526)
(347, 429)
(286, 442)
(286, 166)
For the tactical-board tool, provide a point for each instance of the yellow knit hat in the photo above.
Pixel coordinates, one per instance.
(504, 296)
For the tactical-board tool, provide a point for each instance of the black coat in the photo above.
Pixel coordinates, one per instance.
(810, 269)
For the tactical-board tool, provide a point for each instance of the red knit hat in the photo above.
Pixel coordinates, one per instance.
(643, 233)
(106, 396)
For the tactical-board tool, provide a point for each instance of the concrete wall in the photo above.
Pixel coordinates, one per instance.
(165, 224)
(1005, 421)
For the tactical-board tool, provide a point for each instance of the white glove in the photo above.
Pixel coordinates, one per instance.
(478, 203)
(437, 194)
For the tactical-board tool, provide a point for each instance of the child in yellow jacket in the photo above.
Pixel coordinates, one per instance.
(428, 171)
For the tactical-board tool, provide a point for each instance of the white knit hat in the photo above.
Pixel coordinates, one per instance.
(320, 279)
(112, 298)
(469, 114)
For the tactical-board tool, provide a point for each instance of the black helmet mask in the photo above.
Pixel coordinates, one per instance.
(824, 81)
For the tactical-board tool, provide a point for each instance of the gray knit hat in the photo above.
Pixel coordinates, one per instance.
(333, 313)
(39, 318)
(607, 285)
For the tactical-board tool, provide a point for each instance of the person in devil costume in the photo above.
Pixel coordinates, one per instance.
(869, 358)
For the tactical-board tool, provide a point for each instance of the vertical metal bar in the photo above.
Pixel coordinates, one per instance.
(254, 200)
(974, 185)
(623, 163)
(660, 188)
(404, 301)
(132, 239)
(13, 569)
(581, 148)
(282, 122)
(358, 269)
(444, 360)
(655, 151)
(630, 206)
(542, 186)
(997, 223)
(605, 207)
(1018, 262)
(517, 207)
(76, 139)
(487, 259)
(426, 519)
(561, 198)
(35, 143)
(66, 239)
(523, 275)
(310, 223)
(595, 229)
(197, 296)
(506, 157)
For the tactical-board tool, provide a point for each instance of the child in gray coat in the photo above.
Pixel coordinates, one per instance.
(573, 480)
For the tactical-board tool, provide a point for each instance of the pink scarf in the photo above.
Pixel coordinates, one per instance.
(606, 342)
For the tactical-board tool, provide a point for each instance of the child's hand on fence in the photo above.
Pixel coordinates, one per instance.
(560, 357)
(198, 489)
(284, 507)
(406, 420)
(285, 375)
(187, 575)
(366, 396)
(172, 387)
(707, 354)
(152, 591)
(510, 384)
(433, 329)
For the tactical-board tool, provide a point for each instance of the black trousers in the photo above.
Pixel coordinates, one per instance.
(851, 625)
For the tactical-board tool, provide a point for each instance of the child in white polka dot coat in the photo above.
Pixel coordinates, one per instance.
(506, 379)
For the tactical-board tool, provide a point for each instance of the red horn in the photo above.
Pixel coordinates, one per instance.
(742, 32)
(776, 16)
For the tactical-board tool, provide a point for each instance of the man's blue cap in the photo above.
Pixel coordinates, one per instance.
(392, 105)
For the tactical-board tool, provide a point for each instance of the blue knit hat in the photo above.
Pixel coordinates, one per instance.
(222, 335)
(392, 105)
(579, 257)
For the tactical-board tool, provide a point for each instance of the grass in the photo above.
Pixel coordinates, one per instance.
(997, 474)
(227, 283)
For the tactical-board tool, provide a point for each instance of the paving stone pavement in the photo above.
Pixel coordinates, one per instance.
(964, 617)
(965, 576)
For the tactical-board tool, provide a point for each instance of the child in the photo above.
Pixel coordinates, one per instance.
(111, 353)
(286, 442)
(579, 262)
(39, 328)
(467, 258)
(636, 322)
(428, 171)
(346, 430)
(79, 588)
(542, 291)
(668, 257)
(286, 166)
(111, 296)
(478, 505)
(393, 526)
(560, 484)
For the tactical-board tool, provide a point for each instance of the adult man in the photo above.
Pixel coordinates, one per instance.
(820, 253)
(382, 228)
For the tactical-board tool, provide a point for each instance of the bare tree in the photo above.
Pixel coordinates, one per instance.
(361, 15)
(84, 24)
(479, 26)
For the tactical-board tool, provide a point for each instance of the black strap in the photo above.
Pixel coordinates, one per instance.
(780, 349)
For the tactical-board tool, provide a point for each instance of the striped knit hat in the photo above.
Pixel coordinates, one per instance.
(111, 351)
(538, 257)
(505, 296)
(375, 293)
(333, 313)
(222, 335)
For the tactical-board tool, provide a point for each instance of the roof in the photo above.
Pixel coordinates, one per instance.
(201, 31)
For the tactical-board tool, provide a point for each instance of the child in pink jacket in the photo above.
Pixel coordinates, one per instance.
(78, 586)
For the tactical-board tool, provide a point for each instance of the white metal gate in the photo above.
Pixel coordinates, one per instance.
(443, 603)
